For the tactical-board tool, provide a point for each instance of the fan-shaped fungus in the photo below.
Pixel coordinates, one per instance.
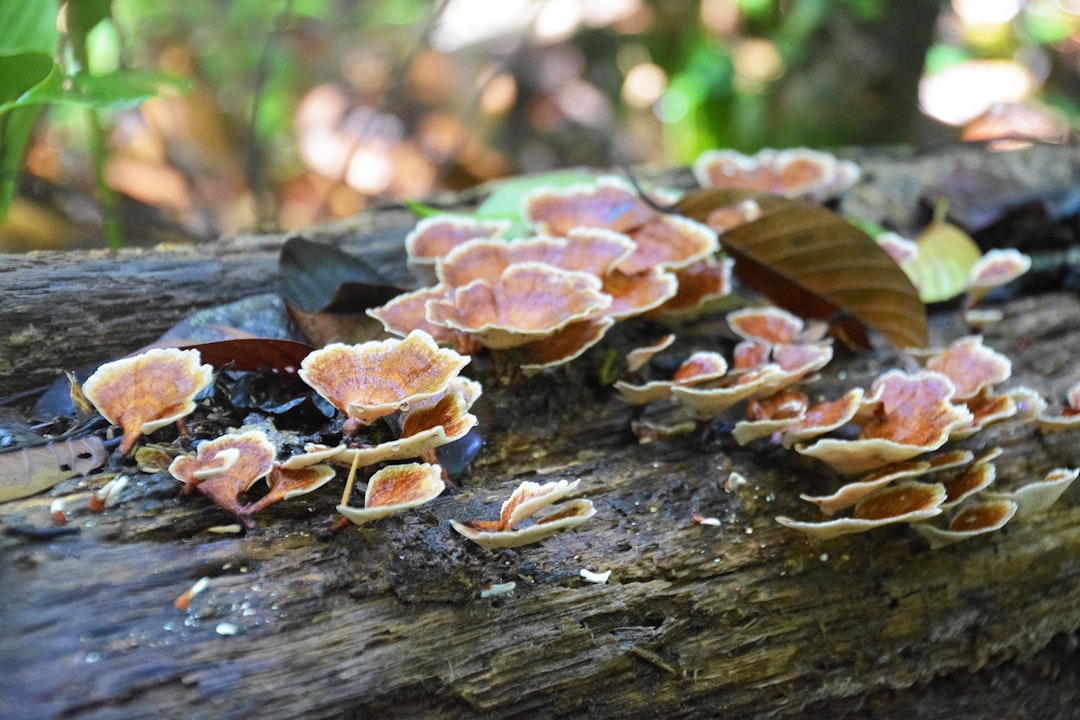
(396, 488)
(793, 173)
(529, 302)
(225, 467)
(528, 499)
(147, 391)
(905, 502)
(374, 379)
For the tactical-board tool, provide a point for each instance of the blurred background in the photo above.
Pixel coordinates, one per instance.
(302, 111)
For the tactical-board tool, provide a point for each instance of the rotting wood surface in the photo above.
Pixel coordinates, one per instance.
(743, 620)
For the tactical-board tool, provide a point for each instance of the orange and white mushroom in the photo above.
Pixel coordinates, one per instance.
(824, 417)
(1068, 419)
(770, 415)
(608, 203)
(701, 366)
(769, 324)
(436, 236)
(793, 173)
(915, 416)
(394, 489)
(639, 357)
(374, 379)
(529, 302)
(562, 346)
(147, 391)
(408, 312)
(698, 284)
(1034, 498)
(528, 499)
(225, 467)
(976, 519)
(905, 502)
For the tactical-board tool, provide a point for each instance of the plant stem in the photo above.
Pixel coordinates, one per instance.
(110, 219)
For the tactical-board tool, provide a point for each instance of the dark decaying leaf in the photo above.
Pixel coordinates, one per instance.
(319, 278)
(811, 262)
(254, 354)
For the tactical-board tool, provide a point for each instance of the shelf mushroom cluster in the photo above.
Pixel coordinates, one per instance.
(597, 254)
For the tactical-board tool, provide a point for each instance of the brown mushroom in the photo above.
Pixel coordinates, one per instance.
(396, 488)
(147, 391)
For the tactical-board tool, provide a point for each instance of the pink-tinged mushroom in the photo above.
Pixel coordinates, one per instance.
(530, 301)
(528, 499)
(564, 345)
(408, 312)
(906, 502)
(971, 366)
(769, 324)
(593, 250)
(1029, 403)
(435, 237)
(636, 294)
(701, 366)
(709, 402)
(994, 269)
(609, 203)
(670, 242)
(396, 488)
(698, 284)
(1035, 498)
(793, 173)
(751, 354)
(147, 391)
(374, 379)
(916, 416)
(824, 417)
(225, 467)
(977, 519)
(899, 248)
(639, 357)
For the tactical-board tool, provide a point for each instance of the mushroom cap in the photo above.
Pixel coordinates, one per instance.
(997, 267)
(563, 345)
(698, 283)
(408, 312)
(437, 236)
(593, 250)
(396, 488)
(971, 366)
(851, 493)
(529, 302)
(147, 391)
(639, 357)
(707, 402)
(608, 203)
(824, 417)
(966, 482)
(376, 378)
(770, 324)
(726, 218)
(226, 466)
(905, 502)
(977, 519)
(792, 173)
(636, 294)
(568, 516)
(1034, 498)
(670, 242)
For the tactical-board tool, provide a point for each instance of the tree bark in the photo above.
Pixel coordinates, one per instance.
(746, 619)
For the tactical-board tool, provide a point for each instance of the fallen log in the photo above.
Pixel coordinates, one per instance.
(743, 619)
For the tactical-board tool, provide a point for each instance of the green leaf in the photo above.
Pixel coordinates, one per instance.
(114, 91)
(27, 44)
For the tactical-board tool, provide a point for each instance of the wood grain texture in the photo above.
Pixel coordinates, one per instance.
(743, 620)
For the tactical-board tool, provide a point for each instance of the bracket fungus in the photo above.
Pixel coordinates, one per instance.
(528, 499)
(148, 391)
(225, 467)
(915, 416)
(976, 519)
(530, 301)
(396, 488)
(792, 173)
(374, 379)
(905, 502)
